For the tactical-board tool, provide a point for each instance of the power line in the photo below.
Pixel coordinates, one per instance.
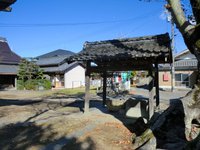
(74, 23)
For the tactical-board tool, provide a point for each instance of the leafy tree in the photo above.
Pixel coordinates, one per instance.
(22, 72)
(29, 70)
(31, 76)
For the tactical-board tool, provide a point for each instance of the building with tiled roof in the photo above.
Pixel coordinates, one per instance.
(8, 65)
(143, 49)
(185, 65)
(61, 73)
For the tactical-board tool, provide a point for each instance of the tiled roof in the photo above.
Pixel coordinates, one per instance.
(154, 47)
(185, 64)
(61, 68)
(51, 61)
(54, 62)
(8, 69)
(54, 58)
(186, 54)
(6, 55)
(59, 52)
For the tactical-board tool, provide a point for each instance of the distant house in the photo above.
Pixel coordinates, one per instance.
(62, 74)
(185, 71)
(8, 65)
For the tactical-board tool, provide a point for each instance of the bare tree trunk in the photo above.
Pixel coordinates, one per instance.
(191, 35)
(191, 102)
(189, 32)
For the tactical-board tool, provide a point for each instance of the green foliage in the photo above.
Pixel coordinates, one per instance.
(31, 84)
(46, 84)
(20, 85)
(39, 73)
(22, 72)
(31, 77)
(95, 75)
(29, 70)
(34, 84)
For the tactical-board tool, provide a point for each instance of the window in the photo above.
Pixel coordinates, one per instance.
(182, 79)
(178, 77)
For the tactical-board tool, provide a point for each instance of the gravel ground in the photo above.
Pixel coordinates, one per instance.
(59, 121)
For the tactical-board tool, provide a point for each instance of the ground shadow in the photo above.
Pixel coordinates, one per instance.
(171, 135)
(8, 102)
(20, 137)
(61, 95)
(145, 86)
(93, 104)
(71, 144)
(120, 115)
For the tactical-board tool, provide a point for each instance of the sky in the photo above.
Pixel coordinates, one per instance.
(36, 27)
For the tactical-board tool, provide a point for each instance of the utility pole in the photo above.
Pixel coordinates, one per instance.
(170, 19)
(172, 48)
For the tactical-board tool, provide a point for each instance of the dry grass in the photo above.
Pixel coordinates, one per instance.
(42, 94)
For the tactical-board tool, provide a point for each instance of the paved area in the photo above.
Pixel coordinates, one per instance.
(165, 95)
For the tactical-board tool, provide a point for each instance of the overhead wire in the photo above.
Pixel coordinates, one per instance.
(74, 23)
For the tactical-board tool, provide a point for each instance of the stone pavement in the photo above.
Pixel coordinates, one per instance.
(165, 95)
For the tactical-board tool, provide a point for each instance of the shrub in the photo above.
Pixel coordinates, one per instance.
(46, 84)
(31, 84)
(20, 85)
(34, 84)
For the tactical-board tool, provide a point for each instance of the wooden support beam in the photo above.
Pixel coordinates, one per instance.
(157, 87)
(100, 69)
(104, 87)
(151, 92)
(15, 83)
(87, 88)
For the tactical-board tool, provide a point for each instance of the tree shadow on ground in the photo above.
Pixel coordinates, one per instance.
(71, 144)
(145, 86)
(8, 102)
(74, 144)
(62, 95)
(93, 104)
(171, 134)
(20, 137)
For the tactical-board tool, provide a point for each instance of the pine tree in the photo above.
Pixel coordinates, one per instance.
(29, 70)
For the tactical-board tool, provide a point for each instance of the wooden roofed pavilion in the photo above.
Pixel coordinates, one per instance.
(140, 53)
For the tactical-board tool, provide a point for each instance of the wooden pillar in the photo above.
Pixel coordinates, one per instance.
(104, 87)
(151, 92)
(15, 83)
(157, 87)
(87, 88)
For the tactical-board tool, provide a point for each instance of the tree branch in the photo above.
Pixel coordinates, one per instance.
(179, 17)
(196, 9)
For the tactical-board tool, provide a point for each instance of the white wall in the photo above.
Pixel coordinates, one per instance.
(75, 77)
